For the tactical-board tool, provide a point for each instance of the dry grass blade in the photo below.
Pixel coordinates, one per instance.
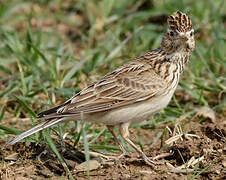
(178, 135)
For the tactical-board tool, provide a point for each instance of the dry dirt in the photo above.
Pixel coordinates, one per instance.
(187, 157)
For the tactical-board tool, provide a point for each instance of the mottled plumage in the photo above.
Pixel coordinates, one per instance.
(134, 91)
(179, 22)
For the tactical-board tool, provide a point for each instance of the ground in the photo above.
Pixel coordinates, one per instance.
(37, 161)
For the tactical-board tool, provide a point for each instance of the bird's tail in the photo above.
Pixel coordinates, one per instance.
(35, 129)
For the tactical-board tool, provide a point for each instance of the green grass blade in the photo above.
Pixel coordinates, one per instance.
(25, 106)
(77, 138)
(2, 112)
(54, 149)
(98, 135)
(10, 130)
(86, 147)
(5, 69)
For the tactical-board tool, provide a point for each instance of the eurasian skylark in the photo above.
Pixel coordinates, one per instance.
(134, 91)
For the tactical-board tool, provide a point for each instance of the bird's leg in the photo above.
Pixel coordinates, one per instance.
(111, 129)
(124, 132)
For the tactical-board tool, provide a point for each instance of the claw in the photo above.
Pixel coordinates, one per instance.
(149, 161)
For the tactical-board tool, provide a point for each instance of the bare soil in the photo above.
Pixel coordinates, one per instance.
(207, 147)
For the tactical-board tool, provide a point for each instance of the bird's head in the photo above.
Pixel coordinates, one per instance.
(180, 35)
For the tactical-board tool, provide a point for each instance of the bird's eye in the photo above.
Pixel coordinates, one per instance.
(192, 33)
(171, 33)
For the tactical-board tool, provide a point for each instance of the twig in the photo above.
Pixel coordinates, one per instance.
(163, 155)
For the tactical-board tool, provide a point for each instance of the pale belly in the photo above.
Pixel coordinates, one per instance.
(133, 113)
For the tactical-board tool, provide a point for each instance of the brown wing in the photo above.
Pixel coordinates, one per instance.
(131, 83)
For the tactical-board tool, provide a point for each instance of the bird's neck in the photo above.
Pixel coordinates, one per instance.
(179, 58)
(164, 63)
(160, 59)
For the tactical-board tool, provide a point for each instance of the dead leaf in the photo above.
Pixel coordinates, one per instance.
(93, 164)
(207, 113)
(12, 157)
(70, 163)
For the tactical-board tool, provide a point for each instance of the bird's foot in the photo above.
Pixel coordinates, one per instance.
(151, 162)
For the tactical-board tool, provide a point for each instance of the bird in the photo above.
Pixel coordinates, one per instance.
(132, 92)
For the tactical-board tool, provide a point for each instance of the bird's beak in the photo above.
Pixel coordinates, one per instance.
(184, 41)
(184, 38)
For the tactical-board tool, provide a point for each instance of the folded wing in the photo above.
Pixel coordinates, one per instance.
(128, 84)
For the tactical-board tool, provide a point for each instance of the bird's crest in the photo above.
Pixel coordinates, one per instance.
(180, 22)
